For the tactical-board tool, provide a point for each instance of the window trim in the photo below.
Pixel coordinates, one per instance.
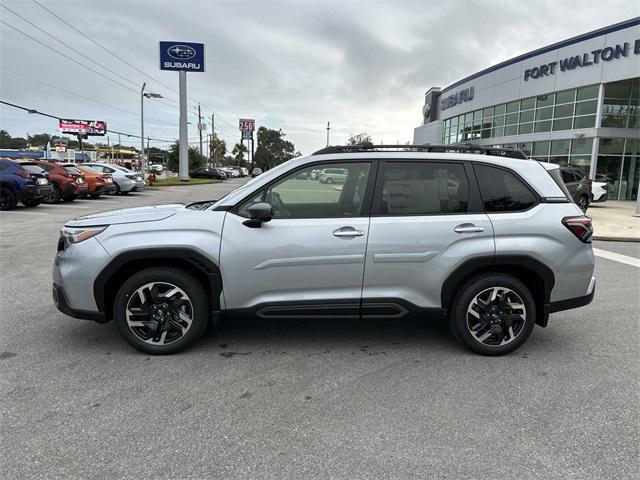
(538, 199)
(474, 204)
(365, 211)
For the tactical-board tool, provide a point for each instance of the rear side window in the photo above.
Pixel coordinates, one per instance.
(48, 168)
(31, 168)
(567, 176)
(502, 191)
(71, 169)
(423, 188)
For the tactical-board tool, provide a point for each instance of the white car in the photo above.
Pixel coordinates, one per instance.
(599, 191)
(157, 166)
(232, 171)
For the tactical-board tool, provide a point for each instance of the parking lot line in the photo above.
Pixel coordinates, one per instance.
(617, 257)
(23, 211)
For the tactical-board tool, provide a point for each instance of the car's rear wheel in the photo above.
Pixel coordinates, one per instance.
(329, 180)
(54, 196)
(32, 203)
(161, 310)
(117, 192)
(493, 314)
(95, 195)
(8, 199)
(583, 203)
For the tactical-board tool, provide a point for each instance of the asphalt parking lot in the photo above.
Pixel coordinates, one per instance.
(309, 399)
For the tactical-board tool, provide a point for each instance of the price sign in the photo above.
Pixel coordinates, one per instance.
(247, 125)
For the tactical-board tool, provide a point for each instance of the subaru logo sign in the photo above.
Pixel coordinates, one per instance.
(181, 52)
(182, 56)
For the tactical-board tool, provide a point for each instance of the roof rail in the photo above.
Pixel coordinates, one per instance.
(427, 147)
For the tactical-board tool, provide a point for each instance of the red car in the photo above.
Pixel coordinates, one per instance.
(68, 182)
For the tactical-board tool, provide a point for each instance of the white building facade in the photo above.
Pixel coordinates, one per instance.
(574, 102)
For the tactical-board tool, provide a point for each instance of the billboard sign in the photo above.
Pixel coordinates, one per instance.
(182, 56)
(247, 125)
(83, 127)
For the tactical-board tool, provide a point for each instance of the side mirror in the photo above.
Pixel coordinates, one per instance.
(259, 213)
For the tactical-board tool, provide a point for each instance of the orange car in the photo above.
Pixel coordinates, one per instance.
(99, 183)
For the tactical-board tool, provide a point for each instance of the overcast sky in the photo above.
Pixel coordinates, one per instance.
(294, 65)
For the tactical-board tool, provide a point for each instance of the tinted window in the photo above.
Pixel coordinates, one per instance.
(71, 169)
(502, 191)
(48, 168)
(420, 188)
(303, 195)
(31, 168)
(567, 176)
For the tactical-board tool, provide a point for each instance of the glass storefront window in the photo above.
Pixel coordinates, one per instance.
(525, 128)
(608, 170)
(559, 147)
(545, 100)
(468, 118)
(526, 116)
(477, 115)
(617, 90)
(615, 121)
(614, 146)
(487, 112)
(541, 148)
(511, 130)
(513, 107)
(544, 113)
(544, 126)
(586, 108)
(527, 103)
(587, 93)
(498, 131)
(561, 160)
(581, 146)
(498, 121)
(566, 96)
(562, 124)
(511, 119)
(562, 111)
(634, 121)
(588, 121)
(500, 109)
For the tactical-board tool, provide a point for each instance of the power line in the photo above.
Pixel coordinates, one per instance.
(33, 111)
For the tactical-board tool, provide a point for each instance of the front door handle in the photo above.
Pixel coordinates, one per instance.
(347, 232)
(468, 228)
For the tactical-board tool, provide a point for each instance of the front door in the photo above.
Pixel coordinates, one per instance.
(426, 220)
(309, 259)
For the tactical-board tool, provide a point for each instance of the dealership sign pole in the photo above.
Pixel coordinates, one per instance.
(247, 126)
(182, 57)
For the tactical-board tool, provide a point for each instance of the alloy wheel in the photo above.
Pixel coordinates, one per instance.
(159, 313)
(496, 316)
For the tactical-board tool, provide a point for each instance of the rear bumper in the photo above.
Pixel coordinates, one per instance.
(576, 302)
(60, 301)
(34, 192)
(104, 189)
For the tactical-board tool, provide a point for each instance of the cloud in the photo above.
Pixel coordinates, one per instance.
(363, 65)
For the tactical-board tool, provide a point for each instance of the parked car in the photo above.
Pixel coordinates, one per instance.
(23, 182)
(244, 172)
(579, 185)
(97, 183)
(68, 182)
(124, 179)
(495, 256)
(158, 167)
(256, 172)
(231, 171)
(599, 189)
(333, 175)
(208, 172)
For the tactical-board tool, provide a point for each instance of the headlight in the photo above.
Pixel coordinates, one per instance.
(76, 235)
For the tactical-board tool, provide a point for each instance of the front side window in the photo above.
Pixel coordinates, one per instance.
(319, 191)
(502, 191)
(422, 188)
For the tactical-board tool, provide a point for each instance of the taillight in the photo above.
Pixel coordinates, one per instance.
(580, 226)
(23, 174)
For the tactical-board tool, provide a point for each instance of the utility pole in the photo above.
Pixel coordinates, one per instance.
(200, 128)
(328, 128)
(213, 137)
(142, 128)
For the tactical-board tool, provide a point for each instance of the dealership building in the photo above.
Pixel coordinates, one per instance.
(574, 102)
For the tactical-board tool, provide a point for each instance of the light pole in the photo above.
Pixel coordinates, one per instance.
(142, 97)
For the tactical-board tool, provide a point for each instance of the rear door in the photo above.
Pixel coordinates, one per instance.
(426, 220)
(309, 259)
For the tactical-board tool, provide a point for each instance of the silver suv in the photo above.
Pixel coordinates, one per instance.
(494, 244)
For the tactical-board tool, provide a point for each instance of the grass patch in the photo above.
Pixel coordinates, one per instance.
(175, 181)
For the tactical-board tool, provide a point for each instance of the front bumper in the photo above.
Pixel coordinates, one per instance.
(60, 301)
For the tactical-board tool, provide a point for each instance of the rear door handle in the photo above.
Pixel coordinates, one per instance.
(468, 228)
(347, 232)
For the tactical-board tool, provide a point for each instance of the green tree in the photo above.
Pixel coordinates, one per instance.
(7, 141)
(219, 149)
(272, 148)
(195, 159)
(39, 140)
(359, 138)
(239, 149)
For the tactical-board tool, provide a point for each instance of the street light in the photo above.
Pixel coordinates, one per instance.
(142, 97)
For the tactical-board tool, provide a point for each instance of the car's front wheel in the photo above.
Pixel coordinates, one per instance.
(493, 314)
(161, 310)
(8, 199)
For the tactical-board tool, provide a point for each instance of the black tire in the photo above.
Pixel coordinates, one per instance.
(329, 180)
(583, 203)
(55, 196)
(69, 198)
(460, 320)
(8, 200)
(196, 295)
(32, 203)
(117, 192)
(95, 195)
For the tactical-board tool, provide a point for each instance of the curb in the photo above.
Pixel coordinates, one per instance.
(616, 239)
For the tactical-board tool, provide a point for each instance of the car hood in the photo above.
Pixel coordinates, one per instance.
(127, 215)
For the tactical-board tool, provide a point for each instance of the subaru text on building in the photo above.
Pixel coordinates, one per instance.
(490, 242)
